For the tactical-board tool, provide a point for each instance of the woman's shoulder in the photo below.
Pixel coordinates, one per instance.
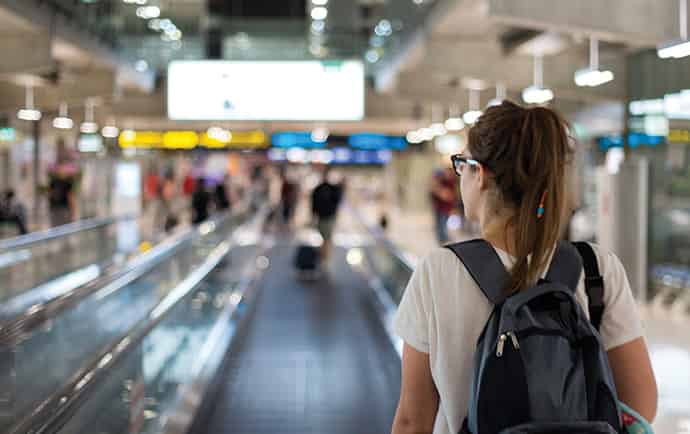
(608, 262)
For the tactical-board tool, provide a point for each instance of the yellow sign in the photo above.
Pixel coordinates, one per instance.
(679, 136)
(180, 140)
(140, 139)
(191, 139)
(235, 139)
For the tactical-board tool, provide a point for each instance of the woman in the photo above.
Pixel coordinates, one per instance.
(513, 185)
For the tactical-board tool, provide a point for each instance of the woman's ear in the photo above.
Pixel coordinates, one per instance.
(483, 177)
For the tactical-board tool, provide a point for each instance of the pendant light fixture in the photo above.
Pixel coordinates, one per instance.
(500, 95)
(29, 112)
(89, 126)
(537, 93)
(593, 76)
(681, 47)
(63, 122)
(471, 116)
(454, 121)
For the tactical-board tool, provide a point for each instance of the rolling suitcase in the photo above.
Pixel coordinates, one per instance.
(307, 260)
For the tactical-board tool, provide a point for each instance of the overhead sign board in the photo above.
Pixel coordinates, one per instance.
(266, 90)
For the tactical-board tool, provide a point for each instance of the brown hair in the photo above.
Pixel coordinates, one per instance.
(526, 151)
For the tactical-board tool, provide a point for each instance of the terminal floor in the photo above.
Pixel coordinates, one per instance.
(313, 358)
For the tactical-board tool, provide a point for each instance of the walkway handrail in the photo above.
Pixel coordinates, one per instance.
(59, 232)
(12, 331)
(53, 413)
(380, 237)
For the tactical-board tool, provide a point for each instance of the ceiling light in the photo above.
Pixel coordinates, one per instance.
(454, 124)
(141, 65)
(384, 28)
(675, 50)
(413, 137)
(319, 13)
(425, 134)
(320, 135)
(679, 48)
(319, 2)
(537, 93)
(471, 116)
(155, 24)
(220, 134)
(63, 122)
(89, 128)
(110, 131)
(372, 56)
(592, 76)
(318, 26)
(29, 113)
(500, 95)
(148, 12)
(438, 129)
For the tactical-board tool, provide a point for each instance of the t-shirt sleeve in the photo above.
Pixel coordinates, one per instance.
(621, 323)
(411, 321)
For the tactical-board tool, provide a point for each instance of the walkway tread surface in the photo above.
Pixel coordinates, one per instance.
(312, 359)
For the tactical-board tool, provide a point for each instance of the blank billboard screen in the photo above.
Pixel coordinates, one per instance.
(290, 91)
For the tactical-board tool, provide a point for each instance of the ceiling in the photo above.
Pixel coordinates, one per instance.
(432, 52)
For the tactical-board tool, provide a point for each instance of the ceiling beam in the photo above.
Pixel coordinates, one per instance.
(635, 22)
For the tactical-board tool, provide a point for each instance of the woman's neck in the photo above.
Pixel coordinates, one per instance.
(498, 231)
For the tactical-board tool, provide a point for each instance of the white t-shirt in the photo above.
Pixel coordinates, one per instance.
(443, 312)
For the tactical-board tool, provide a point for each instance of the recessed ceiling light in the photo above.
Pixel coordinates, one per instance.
(319, 13)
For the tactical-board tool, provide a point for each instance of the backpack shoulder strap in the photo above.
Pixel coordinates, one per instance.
(485, 267)
(594, 283)
(566, 266)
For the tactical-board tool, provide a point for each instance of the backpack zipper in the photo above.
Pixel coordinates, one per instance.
(502, 341)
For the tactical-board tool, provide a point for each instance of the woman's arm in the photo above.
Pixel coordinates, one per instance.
(419, 399)
(635, 382)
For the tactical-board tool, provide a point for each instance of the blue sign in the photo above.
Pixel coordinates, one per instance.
(295, 140)
(634, 140)
(372, 141)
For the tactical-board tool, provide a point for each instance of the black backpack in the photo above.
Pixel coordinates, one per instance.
(539, 365)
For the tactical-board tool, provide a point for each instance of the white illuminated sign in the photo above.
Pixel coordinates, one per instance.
(228, 90)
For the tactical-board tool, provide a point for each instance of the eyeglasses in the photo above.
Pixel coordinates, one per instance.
(460, 161)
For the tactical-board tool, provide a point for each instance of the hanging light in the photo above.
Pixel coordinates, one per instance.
(471, 116)
(679, 48)
(454, 121)
(29, 113)
(437, 127)
(89, 126)
(537, 93)
(63, 122)
(592, 76)
(500, 95)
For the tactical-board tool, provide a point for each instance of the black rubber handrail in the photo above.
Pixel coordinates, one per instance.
(13, 331)
(59, 232)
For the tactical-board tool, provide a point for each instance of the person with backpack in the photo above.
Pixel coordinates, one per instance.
(518, 332)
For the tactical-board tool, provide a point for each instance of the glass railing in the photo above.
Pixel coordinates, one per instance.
(41, 351)
(64, 256)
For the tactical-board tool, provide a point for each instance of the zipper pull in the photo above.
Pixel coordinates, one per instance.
(501, 344)
(514, 338)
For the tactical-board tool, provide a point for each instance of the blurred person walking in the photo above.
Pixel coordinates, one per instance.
(444, 201)
(289, 195)
(220, 196)
(12, 211)
(168, 195)
(201, 201)
(325, 201)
